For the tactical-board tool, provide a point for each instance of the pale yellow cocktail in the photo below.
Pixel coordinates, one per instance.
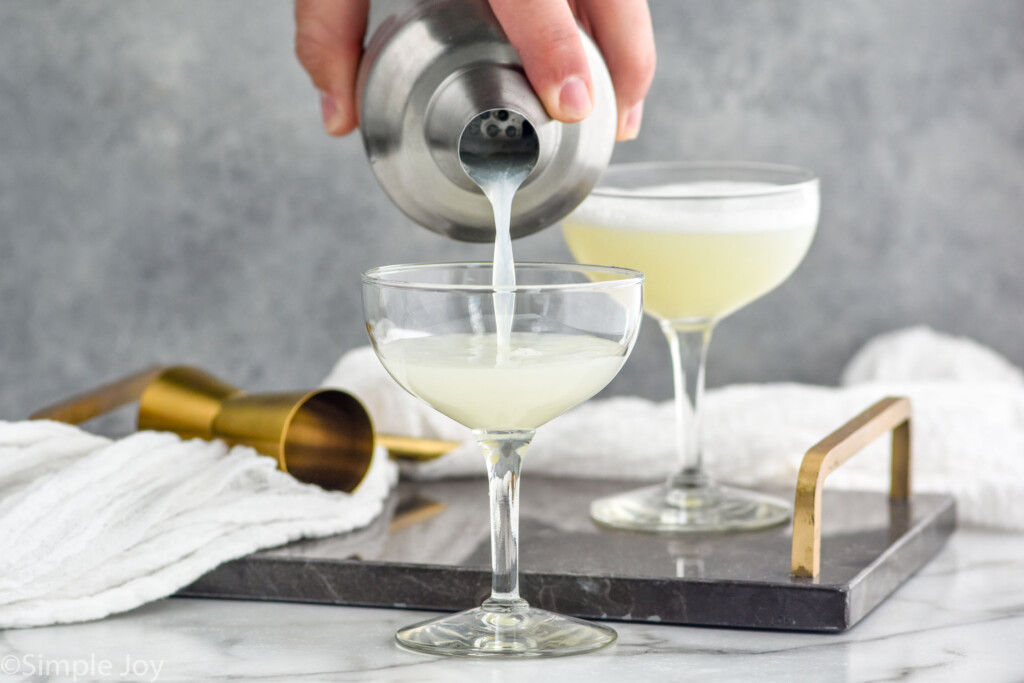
(710, 238)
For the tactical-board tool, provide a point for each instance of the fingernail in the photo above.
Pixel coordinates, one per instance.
(631, 127)
(574, 99)
(328, 111)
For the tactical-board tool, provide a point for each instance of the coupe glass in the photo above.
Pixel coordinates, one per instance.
(570, 328)
(710, 237)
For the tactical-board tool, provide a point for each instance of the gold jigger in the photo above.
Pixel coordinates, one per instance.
(323, 437)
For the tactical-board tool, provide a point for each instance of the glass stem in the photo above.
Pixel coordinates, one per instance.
(688, 344)
(504, 453)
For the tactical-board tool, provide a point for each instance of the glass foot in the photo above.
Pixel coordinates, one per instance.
(505, 631)
(708, 508)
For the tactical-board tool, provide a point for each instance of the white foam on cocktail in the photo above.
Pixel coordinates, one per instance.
(707, 207)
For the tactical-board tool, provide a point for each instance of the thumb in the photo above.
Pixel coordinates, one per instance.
(329, 42)
(548, 40)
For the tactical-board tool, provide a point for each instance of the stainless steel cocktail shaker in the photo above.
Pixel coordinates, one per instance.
(430, 68)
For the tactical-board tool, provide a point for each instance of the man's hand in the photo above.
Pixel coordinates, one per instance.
(329, 43)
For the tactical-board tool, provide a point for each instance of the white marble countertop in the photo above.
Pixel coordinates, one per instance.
(961, 618)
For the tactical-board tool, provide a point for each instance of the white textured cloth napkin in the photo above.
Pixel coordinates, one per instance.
(91, 527)
(968, 426)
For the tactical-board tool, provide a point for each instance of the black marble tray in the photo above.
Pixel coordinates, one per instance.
(870, 545)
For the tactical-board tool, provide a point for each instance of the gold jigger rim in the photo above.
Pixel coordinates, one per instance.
(282, 456)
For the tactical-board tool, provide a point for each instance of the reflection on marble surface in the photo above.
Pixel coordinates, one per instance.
(558, 536)
(961, 618)
(570, 565)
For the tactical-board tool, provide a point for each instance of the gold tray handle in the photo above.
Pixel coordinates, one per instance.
(828, 454)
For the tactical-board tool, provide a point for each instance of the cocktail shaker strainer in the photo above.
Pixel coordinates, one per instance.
(430, 69)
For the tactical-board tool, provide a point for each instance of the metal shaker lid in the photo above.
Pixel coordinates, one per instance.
(427, 73)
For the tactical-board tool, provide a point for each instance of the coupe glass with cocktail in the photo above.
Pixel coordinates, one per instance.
(503, 361)
(710, 237)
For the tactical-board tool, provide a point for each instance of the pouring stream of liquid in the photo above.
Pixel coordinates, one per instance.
(498, 150)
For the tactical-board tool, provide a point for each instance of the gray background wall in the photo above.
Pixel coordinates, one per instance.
(166, 192)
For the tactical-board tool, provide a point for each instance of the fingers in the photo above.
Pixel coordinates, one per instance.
(329, 42)
(329, 37)
(545, 34)
(622, 29)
